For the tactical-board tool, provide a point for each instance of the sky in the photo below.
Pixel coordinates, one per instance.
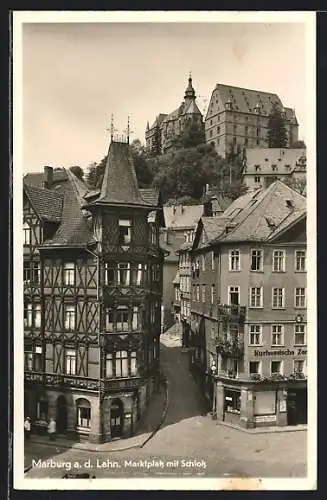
(75, 75)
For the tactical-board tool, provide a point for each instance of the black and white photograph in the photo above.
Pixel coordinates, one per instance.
(164, 272)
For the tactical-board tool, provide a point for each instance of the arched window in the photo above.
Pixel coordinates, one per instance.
(83, 413)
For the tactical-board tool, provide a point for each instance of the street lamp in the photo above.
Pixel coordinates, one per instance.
(213, 373)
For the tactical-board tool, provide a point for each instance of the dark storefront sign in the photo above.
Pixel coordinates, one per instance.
(281, 352)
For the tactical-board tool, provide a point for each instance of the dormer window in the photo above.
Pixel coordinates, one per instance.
(125, 230)
(274, 168)
(257, 168)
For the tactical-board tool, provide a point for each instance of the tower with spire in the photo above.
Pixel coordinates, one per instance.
(159, 137)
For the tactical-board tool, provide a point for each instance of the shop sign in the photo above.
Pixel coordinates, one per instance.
(282, 405)
(265, 418)
(281, 352)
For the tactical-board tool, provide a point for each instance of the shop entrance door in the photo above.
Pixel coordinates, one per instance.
(116, 418)
(61, 415)
(297, 406)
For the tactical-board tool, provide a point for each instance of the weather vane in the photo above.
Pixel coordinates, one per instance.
(112, 129)
(128, 130)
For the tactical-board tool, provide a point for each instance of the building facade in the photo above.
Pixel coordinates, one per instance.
(178, 221)
(248, 312)
(264, 166)
(166, 127)
(238, 118)
(92, 294)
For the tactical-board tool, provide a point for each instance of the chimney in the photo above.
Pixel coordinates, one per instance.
(48, 177)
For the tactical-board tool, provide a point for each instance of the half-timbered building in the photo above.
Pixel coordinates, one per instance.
(92, 296)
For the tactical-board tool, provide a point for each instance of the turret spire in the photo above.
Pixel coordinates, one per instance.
(189, 92)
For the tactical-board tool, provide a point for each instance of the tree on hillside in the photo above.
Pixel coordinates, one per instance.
(299, 185)
(277, 134)
(142, 166)
(191, 136)
(78, 171)
(95, 174)
(298, 145)
(185, 172)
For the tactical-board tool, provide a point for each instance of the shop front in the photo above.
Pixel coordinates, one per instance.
(297, 406)
(250, 404)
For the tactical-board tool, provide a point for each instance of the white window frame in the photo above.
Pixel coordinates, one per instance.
(133, 358)
(135, 318)
(304, 333)
(259, 367)
(127, 223)
(305, 261)
(278, 297)
(212, 295)
(280, 361)
(70, 362)
(124, 267)
(110, 325)
(279, 333)
(69, 273)
(37, 315)
(203, 262)
(28, 359)
(261, 260)
(123, 324)
(107, 269)
(296, 296)
(82, 422)
(29, 314)
(109, 370)
(231, 289)
(212, 260)
(255, 326)
(27, 233)
(304, 370)
(139, 275)
(283, 267)
(257, 179)
(198, 293)
(260, 306)
(203, 293)
(121, 364)
(70, 317)
(234, 258)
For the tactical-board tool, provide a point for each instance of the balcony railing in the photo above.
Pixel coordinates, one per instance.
(230, 348)
(62, 380)
(231, 312)
(120, 383)
(76, 382)
(260, 379)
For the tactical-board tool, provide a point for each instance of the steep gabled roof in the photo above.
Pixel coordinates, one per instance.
(192, 108)
(264, 213)
(289, 222)
(47, 203)
(119, 184)
(75, 228)
(284, 159)
(36, 179)
(213, 227)
(245, 100)
(182, 216)
(150, 195)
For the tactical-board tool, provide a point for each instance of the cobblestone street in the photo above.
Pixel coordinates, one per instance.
(188, 433)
